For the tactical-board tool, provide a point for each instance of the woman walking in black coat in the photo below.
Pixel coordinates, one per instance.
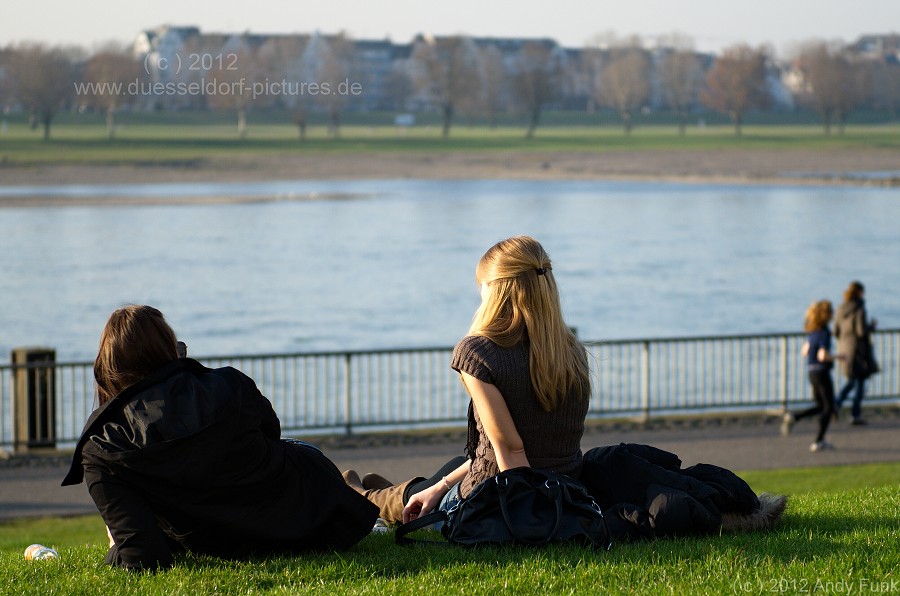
(183, 457)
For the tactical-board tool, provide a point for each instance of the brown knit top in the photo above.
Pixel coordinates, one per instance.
(552, 439)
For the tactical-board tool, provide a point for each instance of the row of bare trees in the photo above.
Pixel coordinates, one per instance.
(454, 74)
(43, 80)
(451, 75)
(834, 84)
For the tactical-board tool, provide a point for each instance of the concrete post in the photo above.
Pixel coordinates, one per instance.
(34, 398)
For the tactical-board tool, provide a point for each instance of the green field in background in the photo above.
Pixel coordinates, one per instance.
(186, 137)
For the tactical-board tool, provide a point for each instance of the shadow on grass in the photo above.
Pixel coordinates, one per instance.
(797, 540)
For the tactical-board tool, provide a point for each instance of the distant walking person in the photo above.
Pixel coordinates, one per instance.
(817, 350)
(854, 340)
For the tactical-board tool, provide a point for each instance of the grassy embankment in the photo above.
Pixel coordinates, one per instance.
(175, 138)
(840, 535)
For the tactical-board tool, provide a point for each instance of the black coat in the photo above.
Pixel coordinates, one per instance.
(192, 457)
(644, 492)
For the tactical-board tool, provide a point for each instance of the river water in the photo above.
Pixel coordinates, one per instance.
(333, 265)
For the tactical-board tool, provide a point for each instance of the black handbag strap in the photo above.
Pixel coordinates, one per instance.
(400, 534)
(555, 495)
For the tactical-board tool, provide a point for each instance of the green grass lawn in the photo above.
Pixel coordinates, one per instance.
(140, 138)
(839, 535)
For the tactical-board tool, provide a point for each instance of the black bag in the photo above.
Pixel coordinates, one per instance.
(864, 364)
(523, 506)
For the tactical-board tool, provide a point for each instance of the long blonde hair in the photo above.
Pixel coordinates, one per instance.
(523, 302)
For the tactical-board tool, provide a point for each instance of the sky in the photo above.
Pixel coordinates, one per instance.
(711, 24)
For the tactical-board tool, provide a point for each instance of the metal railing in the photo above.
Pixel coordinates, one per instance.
(343, 392)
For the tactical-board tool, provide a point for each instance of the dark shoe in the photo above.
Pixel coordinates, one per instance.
(820, 446)
(859, 422)
(376, 481)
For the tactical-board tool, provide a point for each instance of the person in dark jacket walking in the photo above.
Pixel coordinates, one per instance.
(183, 457)
(853, 333)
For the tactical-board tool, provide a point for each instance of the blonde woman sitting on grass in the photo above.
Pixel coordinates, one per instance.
(528, 380)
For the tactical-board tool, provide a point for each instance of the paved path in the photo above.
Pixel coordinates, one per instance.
(29, 487)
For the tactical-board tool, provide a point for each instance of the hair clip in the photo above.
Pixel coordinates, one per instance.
(541, 270)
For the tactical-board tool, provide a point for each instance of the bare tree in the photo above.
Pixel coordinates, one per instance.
(398, 88)
(859, 83)
(827, 81)
(445, 71)
(109, 74)
(624, 83)
(236, 79)
(591, 67)
(494, 82)
(229, 81)
(285, 61)
(335, 74)
(737, 83)
(681, 78)
(42, 80)
(536, 81)
(272, 65)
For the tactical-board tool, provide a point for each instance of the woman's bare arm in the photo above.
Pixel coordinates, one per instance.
(498, 423)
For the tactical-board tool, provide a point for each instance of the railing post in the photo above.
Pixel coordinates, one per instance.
(348, 409)
(645, 380)
(784, 373)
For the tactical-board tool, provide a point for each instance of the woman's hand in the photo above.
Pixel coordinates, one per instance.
(423, 502)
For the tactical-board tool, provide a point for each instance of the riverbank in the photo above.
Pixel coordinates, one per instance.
(859, 166)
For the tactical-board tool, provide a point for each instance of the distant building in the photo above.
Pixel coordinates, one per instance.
(881, 48)
(388, 73)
